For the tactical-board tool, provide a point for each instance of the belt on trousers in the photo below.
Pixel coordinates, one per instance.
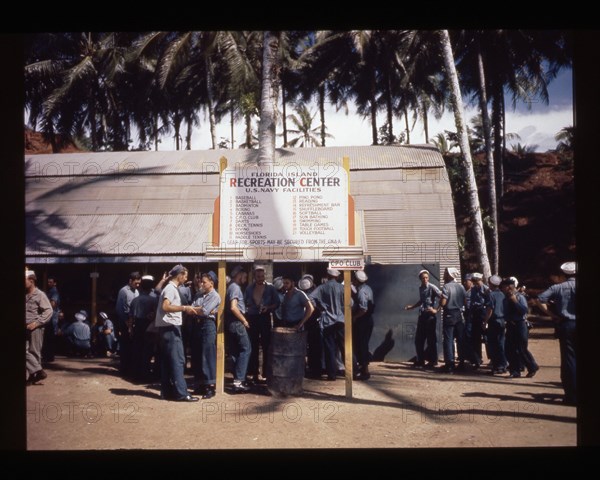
(201, 319)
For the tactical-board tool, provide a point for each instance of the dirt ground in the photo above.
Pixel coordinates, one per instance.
(85, 405)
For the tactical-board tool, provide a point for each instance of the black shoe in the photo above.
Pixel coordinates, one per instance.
(418, 364)
(476, 365)
(209, 394)
(363, 377)
(498, 371)
(430, 366)
(331, 379)
(532, 373)
(241, 388)
(187, 398)
(201, 390)
(461, 367)
(38, 376)
(446, 369)
(515, 375)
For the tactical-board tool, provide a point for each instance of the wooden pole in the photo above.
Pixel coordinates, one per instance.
(221, 330)
(348, 333)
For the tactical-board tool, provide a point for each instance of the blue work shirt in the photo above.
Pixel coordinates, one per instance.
(294, 305)
(124, 299)
(428, 295)
(209, 302)
(497, 303)
(186, 294)
(365, 299)
(479, 296)
(79, 331)
(143, 306)
(563, 295)
(234, 292)
(269, 297)
(455, 295)
(107, 325)
(516, 312)
(329, 298)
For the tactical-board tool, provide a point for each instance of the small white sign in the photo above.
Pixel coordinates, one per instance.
(347, 264)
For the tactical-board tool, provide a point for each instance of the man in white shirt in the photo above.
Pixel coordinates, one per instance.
(168, 321)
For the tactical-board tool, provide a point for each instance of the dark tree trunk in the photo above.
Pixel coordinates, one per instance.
(211, 103)
(176, 127)
(425, 122)
(407, 126)
(248, 120)
(188, 136)
(321, 92)
(489, 155)
(232, 124)
(390, 113)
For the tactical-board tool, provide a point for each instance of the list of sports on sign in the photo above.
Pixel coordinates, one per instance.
(280, 205)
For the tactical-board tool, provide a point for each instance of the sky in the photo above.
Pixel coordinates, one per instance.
(536, 125)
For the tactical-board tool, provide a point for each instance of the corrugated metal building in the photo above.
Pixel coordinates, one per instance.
(115, 212)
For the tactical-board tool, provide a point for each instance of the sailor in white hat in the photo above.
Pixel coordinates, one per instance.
(329, 299)
(453, 301)
(564, 316)
(496, 326)
(362, 323)
(429, 297)
(479, 301)
(38, 313)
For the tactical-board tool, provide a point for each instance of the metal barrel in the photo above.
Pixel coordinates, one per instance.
(287, 353)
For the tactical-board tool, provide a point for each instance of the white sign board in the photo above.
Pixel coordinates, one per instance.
(280, 205)
(347, 264)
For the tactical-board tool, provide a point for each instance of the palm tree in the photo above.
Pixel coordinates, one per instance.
(566, 138)
(307, 135)
(441, 142)
(467, 163)
(83, 88)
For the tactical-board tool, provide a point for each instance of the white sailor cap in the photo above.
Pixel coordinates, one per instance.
(569, 268)
(494, 280)
(477, 276)
(453, 272)
(361, 276)
(333, 272)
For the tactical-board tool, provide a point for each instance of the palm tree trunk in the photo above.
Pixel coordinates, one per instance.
(210, 99)
(503, 150)
(373, 103)
(487, 135)
(390, 113)
(407, 127)
(155, 131)
(467, 164)
(248, 120)
(497, 123)
(285, 144)
(269, 97)
(425, 123)
(176, 127)
(188, 136)
(232, 124)
(321, 93)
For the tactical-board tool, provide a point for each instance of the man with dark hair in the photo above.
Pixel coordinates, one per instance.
(329, 299)
(124, 299)
(563, 297)
(261, 300)
(168, 321)
(296, 308)
(428, 304)
(237, 328)
(142, 312)
(204, 335)
(38, 313)
(479, 302)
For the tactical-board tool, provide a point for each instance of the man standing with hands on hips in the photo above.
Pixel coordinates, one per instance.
(168, 320)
